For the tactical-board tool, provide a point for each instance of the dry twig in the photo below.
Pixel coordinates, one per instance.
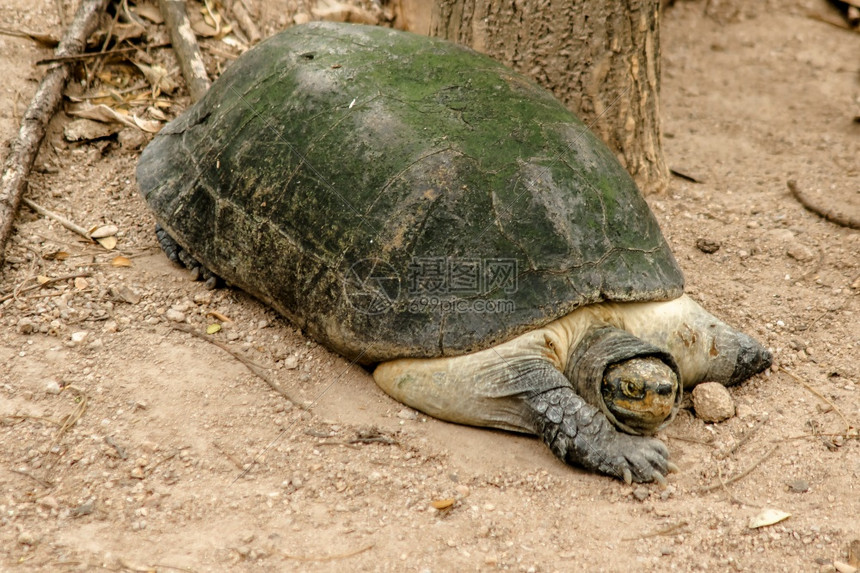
(233, 459)
(246, 22)
(24, 148)
(740, 476)
(147, 471)
(40, 481)
(829, 402)
(47, 283)
(244, 360)
(746, 437)
(829, 214)
(91, 55)
(185, 45)
(733, 498)
(328, 557)
(669, 530)
(58, 218)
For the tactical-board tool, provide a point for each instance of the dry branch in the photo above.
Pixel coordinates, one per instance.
(73, 227)
(848, 425)
(743, 474)
(24, 148)
(244, 360)
(831, 215)
(185, 45)
(246, 22)
(90, 55)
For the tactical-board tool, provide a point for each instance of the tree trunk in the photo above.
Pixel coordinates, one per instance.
(600, 58)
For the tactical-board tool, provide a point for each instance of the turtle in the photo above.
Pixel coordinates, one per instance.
(427, 212)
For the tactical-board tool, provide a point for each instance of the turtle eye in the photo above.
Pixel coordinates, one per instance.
(632, 388)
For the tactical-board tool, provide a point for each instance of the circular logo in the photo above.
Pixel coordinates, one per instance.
(371, 286)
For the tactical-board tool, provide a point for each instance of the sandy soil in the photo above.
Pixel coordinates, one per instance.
(181, 459)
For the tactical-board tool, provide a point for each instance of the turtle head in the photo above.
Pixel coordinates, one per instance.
(635, 384)
(640, 392)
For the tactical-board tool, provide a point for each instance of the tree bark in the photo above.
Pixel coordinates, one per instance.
(42, 108)
(600, 58)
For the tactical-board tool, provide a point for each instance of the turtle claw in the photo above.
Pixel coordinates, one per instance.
(581, 435)
(673, 468)
(660, 479)
(180, 256)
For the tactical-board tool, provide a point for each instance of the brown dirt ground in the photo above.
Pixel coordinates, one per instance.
(150, 476)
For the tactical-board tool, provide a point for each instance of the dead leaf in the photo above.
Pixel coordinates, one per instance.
(334, 11)
(125, 294)
(107, 115)
(150, 12)
(157, 113)
(42, 279)
(88, 130)
(108, 243)
(46, 40)
(56, 256)
(441, 504)
(103, 231)
(127, 31)
(81, 283)
(203, 29)
(158, 77)
(213, 328)
(120, 261)
(768, 516)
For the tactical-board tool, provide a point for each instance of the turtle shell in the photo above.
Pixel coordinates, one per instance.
(395, 195)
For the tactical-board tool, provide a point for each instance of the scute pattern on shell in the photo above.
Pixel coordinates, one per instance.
(333, 147)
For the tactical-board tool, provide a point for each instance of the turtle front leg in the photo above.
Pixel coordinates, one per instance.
(180, 256)
(516, 387)
(580, 434)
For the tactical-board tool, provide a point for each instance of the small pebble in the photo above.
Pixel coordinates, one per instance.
(712, 402)
(800, 252)
(49, 501)
(83, 509)
(291, 362)
(641, 493)
(707, 245)
(27, 326)
(743, 411)
(53, 387)
(79, 337)
(183, 306)
(174, 315)
(798, 486)
(407, 414)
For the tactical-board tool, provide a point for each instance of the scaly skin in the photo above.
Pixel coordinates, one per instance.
(580, 434)
(521, 385)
